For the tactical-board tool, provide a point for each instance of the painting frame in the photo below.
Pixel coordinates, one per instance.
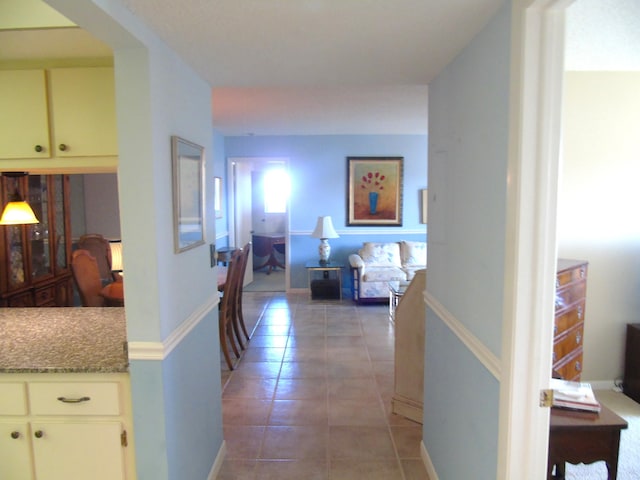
(217, 197)
(374, 191)
(188, 194)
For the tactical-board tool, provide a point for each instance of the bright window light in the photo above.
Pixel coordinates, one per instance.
(276, 190)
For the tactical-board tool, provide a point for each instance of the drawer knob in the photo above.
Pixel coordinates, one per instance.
(578, 367)
(73, 400)
(578, 338)
(15, 434)
(579, 313)
(38, 148)
(62, 147)
(39, 434)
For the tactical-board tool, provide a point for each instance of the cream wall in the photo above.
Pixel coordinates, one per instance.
(598, 205)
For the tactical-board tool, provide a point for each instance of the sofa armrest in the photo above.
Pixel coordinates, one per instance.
(356, 262)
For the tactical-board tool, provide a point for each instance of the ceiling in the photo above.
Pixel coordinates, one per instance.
(309, 67)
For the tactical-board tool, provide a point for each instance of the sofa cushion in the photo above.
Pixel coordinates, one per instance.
(380, 254)
(383, 274)
(413, 254)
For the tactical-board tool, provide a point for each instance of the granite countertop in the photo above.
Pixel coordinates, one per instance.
(63, 340)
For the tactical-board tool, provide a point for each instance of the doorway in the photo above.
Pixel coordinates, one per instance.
(262, 219)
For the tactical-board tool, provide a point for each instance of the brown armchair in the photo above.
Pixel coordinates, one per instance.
(98, 247)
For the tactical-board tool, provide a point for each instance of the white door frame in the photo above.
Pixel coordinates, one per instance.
(232, 202)
(537, 68)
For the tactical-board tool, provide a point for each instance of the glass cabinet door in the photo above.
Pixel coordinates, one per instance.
(61, 260)
(16, 273)
(39, 234)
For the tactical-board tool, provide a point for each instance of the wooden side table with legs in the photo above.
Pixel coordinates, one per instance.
(582, 437)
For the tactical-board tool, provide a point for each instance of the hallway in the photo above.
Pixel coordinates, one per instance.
(311, 396)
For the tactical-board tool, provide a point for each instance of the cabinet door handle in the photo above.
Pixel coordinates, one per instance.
(39, 434)
(38, 148)
(62, 147)
(15, 434)
(74, 400)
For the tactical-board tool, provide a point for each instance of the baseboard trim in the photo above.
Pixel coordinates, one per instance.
(217, 464)
(428, 464)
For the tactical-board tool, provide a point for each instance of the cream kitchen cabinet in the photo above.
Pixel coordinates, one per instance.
(62, 426)
(24, 124)
(57, 113)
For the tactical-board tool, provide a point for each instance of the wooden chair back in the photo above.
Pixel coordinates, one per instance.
(227, 312)
(87, 278)
(98, 246)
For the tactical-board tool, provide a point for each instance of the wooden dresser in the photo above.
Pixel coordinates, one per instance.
(568, 330)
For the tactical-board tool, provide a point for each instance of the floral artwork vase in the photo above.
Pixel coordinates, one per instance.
(373, 202)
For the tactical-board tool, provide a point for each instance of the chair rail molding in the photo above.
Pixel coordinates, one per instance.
(158, 351)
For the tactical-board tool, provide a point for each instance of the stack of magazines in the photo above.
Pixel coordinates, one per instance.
(574, 396)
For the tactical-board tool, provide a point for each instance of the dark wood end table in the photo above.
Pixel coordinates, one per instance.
(582, 437)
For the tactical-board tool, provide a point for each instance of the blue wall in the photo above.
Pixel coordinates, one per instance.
(318, 169)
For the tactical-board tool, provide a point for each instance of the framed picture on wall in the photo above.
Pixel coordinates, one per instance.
(374, 191)
(217, 198)
(188, 194)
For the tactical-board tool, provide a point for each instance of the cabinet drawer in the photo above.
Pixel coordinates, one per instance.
(568, 276)
(568, 319)
(570, 367)
(21, 300)
(13, 398)
(74, 398)
(570, 294)
(568, 343)
(45, 296)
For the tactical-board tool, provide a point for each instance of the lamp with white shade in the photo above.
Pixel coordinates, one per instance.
(324, 230)
(116, 255)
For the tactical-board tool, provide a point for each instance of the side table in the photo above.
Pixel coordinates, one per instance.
(325, 280)
(395, 294)
(579, 437)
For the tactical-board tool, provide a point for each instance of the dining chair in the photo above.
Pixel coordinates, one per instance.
(227, 312)
(239, 316)
(86, 276)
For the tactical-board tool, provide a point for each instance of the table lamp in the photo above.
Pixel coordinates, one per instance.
(324, 230)
(116, 255)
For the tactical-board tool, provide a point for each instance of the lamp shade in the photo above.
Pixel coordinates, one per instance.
(18, 212)
(324, 228)
(116, 255)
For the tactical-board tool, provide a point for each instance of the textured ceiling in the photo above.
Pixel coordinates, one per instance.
(317, 66)
(303, 67)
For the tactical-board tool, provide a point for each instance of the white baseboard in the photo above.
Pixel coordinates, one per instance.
(426, 459)
(217, 465)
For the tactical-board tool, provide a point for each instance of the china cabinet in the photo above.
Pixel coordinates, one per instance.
(34, 259)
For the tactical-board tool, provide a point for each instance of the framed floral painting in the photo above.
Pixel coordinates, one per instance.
(374, 191)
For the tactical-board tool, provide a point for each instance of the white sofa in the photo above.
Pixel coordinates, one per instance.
(377, 265)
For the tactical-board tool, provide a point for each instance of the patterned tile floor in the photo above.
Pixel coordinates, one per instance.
(311, 396)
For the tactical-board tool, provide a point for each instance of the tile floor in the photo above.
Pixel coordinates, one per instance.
(311, 396)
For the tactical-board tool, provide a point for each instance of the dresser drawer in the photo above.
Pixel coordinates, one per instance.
(570, 367)
(567, 343)
(570, 294)
(74, 398)
(13, 398)
(571, 275)
(568, 319)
